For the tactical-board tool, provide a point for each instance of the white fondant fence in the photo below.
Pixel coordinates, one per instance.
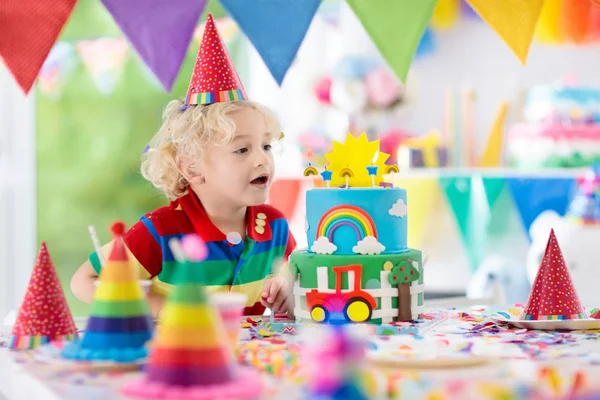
(385, 293)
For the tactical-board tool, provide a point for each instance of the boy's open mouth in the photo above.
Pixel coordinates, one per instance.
(260, 181)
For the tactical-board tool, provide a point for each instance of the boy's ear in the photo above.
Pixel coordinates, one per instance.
(190, 171)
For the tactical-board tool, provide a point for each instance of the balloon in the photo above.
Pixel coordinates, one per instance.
(382, 86)
(348, 95)
(323, 90)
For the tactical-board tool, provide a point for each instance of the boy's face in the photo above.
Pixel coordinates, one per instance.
(241, 172)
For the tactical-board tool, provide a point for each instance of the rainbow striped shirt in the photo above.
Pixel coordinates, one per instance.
(241, 267)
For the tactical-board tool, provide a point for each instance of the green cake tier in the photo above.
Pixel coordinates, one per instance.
(355, 279)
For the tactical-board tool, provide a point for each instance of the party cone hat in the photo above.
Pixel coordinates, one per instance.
(553, 295)
(192, 357)
(44, 315)
(214, 78)
(120, 323)
(585, 207)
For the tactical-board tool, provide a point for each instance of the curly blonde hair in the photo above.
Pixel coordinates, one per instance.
(188, 132)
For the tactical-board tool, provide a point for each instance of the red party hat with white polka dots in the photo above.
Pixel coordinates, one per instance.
(214, 78)
(44, 315)
(553, 295)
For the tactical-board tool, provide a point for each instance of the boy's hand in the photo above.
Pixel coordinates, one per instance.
(274, 295)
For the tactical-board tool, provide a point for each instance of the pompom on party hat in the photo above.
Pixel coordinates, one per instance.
(192, 356)
(120, 323)
(44, 315)
(553, 295)
(214, 78)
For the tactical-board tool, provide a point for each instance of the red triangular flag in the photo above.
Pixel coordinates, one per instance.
(553, 294)
(214, 78)
(596, 314)
(29, 30)
(44, 315)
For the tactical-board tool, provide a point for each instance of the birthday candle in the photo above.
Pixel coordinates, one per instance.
(346, 173)
(372, 171)
(391, 169)
(326, 176)
(311, 172)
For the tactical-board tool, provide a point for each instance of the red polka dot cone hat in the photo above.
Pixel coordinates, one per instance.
(214, 78)
(553, 295)
(44, 315)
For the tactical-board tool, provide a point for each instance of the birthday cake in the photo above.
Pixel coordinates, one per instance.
(357, 267)
(561, 129)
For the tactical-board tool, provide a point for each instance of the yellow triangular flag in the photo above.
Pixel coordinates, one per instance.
(513, 20)
(493, 149)
(549, 27)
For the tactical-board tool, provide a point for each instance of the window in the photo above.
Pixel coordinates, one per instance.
(17, 192)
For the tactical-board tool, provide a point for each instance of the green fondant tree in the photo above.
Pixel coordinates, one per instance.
(401, 275)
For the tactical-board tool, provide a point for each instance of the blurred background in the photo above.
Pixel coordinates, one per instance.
(485, 145)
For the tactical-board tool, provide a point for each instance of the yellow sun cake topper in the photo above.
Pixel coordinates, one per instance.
(356, 154)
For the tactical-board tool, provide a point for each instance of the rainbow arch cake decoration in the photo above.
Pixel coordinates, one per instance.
(356, 230)
(347, 215)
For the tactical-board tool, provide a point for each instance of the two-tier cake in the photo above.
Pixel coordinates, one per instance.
(358, 267)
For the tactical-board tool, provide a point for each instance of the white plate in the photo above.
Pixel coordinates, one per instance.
(553, 325)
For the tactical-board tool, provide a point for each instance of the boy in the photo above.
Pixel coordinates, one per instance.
(212, 157)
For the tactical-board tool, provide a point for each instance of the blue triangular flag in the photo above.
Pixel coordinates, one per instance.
(532, 196)
(276, 28)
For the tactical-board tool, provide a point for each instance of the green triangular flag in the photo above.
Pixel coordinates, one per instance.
(493, 187)
(467, 200)
(396, 27)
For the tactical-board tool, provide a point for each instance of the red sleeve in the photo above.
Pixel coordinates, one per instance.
(145, 246)
(291, 245)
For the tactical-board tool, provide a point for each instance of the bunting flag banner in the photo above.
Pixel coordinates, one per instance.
(104, 59)
(513, 20)
(57, 69)
(532, 196)
(422, 195)
(29, 30)
(276, 28)
(549, 29)
(396, 27)
(576, 19)
(227, 28)
(159, 31)
(467, 199)
(493, 187)
(446, 14)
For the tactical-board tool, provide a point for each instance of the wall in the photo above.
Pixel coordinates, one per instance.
(470, 55)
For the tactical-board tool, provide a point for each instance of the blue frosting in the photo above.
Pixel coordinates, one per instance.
(581, 95)
(375, 202)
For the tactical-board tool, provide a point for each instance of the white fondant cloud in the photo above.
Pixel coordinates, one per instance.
(398, 209)
(323, 246)
(369, 245)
